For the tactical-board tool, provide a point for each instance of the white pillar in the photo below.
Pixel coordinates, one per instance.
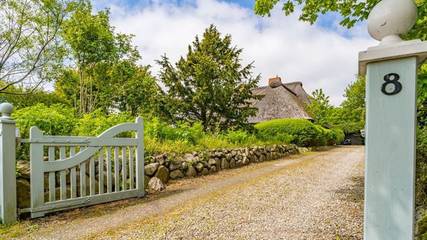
(391, 74)
(7, 165)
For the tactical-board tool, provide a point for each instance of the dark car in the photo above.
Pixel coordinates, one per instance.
(347, 142)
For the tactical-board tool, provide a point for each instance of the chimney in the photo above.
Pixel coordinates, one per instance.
(275, 82)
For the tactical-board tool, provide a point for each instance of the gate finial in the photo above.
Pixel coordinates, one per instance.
(6, 110)
(390, 18)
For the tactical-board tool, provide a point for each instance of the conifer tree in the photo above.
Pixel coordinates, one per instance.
(210, 85)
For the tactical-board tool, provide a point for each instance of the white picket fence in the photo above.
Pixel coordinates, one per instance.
(70, 172)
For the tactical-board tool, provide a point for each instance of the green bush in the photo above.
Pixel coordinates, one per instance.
(339, 135)
(302, 132)
(54, 120)
(334, 136)
(93, 124)
(156, 129)
(239, 137)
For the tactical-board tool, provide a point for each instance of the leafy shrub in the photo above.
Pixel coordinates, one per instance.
(154, 146)
(338, 135)
(54, 120)
(93, 124)
(182, 131)
(280, 137)
(238, 137)
(212, 141)
(302, 132)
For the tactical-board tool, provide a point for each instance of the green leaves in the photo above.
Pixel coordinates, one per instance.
(210, 84)
(30, 48)
(320, 108)
(104, 73)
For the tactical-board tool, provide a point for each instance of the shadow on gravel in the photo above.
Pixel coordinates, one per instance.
(353, 192)
(103, 209)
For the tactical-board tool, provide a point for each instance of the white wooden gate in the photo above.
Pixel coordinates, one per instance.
(70, 172)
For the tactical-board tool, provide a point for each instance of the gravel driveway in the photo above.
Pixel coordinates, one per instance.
(312, 196)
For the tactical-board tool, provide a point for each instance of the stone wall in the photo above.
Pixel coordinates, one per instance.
(169, 166)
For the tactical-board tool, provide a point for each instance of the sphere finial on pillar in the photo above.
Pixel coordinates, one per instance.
(6, 110)
(390, 18)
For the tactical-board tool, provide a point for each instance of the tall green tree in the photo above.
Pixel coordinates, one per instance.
(94, 47)
(210, 84)
(350, 116)
(30, 48)
(104, 73)
(320, 108)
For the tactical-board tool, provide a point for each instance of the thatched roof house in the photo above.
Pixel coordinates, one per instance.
(280, 101)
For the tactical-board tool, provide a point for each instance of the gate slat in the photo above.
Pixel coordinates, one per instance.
(116, 170)
(83, 179)
(124, 168)
(52, 190)
(109, 172)
(62, 176)
(92, 176)
(73, 179)
(131, 170)
(101, 171)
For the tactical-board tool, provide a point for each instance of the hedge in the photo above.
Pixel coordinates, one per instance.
(300, 132)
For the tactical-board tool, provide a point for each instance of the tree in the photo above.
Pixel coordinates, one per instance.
(350, 116)
(30, 50)
(21, 98)
(134, 90)
(104, 67)
(95, 48)
(210, 84)
(352, 11)
(320, 108)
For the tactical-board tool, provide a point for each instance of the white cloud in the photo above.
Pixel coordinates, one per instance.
(281, 45)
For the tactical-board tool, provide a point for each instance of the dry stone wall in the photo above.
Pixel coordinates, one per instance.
(171, 166)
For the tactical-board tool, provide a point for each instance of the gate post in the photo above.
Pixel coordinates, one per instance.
(8, 210)
(391, 71)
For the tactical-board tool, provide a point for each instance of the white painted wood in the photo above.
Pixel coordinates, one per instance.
(91, 151)
(62, 176)
(83, 191)
(36, 165)
(101, 171)
(92, 181)
(52, 180)
(124, 168)
(116, 170)
(140, 157)
(8, 210)
(109, 171)
(390, 153)
(131, 168)
(73, 177)
(414, 48)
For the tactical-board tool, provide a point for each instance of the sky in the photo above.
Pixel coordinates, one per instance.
(323, 55)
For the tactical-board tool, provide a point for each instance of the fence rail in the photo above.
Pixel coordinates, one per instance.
(69, 171)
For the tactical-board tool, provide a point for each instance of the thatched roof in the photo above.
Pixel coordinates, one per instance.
(280, 101)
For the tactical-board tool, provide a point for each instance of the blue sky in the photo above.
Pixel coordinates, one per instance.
(323, 55)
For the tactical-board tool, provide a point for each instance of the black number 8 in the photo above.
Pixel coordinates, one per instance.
(392, 86)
